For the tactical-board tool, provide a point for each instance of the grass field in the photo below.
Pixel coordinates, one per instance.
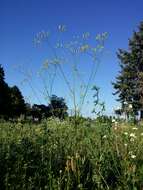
(57, 155)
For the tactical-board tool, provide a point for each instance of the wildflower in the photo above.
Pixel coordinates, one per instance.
(125, 145)
(62, 28)
(86, 35)
(135, 128)
(84, 48)
(130, 152)
(132, 135)
(113, 120)
(141, 134)
(125, 103)
(126, 133)
(116, 123)
(80, 186)
(101, 37)
(104, 137)
(130, 106)
(132, 140)
(60, 171)
(133, 156)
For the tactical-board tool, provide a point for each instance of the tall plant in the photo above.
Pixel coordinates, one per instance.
(66, 58)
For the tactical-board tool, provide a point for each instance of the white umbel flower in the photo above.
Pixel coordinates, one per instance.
(132, 135)
(135, 128)
(133, 156)
(126, 133)
(130, 106)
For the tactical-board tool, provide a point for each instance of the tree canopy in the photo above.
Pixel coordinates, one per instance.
(58, 107)
(12, 103)
(129, 82)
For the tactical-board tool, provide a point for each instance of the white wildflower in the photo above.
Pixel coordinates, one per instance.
(133, 156)
(132, 135)
(116, 123)
(104, 137)
(86, 35)
(135, 128)
(130, 152)
(130, 106)
(132, 140)
(84, 47)
(141, 134)
(126, 133)
(62, 28)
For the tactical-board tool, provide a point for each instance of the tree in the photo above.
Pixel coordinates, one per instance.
(58, 107)
(12, 103)
(129, 82)
(18, 106)
(40, 111)
(4, 95)
(1, 74)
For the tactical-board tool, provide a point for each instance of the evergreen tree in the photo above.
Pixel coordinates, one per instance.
(129, 82)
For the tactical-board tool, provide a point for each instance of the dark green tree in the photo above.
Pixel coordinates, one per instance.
(1, 74)
(12, 103)
(4, 95)
(18, 105)
(129, 85)
(58, 107)
(40, 111)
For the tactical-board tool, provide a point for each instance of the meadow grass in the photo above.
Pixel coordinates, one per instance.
(57, 155)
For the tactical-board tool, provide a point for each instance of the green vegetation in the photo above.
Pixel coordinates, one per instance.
(129, 82)
(56, 155)
(70, 152)
(12, 104)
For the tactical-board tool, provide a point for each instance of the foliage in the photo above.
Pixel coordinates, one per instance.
(12, 103)
(1, 74)
(128, 83)
(55, 155)
(58, 107)
(4, 95)
(17, 102)
(99, 107)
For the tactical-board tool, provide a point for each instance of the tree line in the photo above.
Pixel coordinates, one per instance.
(12, 103)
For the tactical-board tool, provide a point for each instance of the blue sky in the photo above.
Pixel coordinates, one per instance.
(21, 20)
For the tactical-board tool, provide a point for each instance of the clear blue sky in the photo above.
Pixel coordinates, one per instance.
(20, 20)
